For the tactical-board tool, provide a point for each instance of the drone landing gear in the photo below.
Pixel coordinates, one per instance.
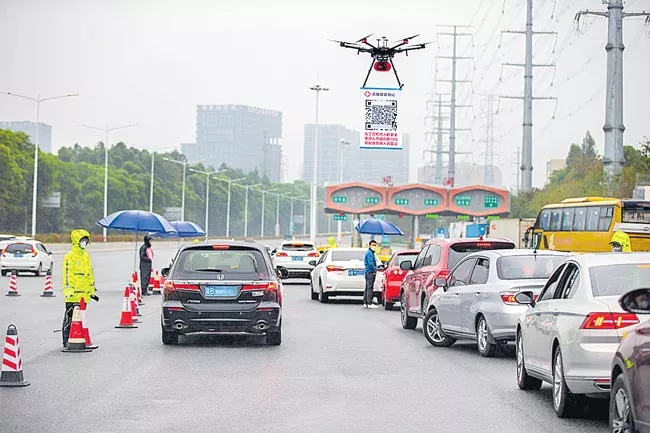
(372, 63)
(396, 77)
(399, 83)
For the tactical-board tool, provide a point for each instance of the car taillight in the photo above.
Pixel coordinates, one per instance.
(172, 286)
(396, 272)
(508, 298)
(281, 254)
(609, 320)
(332, 268)
(269, 290)
(314, 254)
(443, 273)
(4, 253)
(34, 252)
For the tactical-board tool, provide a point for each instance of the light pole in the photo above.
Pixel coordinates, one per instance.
(263, 191)
(230, 182)
(246, 209)
(314, 181)
(106, 130)
(344, 143)
(304, 217)
(184, 164)
(207, 194)
(153, 158)
(38, 101)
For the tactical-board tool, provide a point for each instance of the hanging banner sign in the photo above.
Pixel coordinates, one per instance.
(381, 124)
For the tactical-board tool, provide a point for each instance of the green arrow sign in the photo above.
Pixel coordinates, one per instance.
(339, 199)
(402, 201)
(430, 202)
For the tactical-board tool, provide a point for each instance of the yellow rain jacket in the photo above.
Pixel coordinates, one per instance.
(332, 242)
(78, 278)
(623, 239)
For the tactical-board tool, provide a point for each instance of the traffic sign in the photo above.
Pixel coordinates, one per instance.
(340, 217)
(462, 217)
(491, 201)
(432, 216)
(339, 199)
(402, 201)
(430, 202)
(463, 201)
(372, 200)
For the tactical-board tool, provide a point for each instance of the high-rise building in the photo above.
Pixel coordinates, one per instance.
(358, 165)
(29, 128)
(240, 136)
(552, 166)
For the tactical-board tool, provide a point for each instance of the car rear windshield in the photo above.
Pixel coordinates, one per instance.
(616, 280)
(227, 263)
(527, 267)
(344, 256)
(459, 250)
(19, 248)
(405, 257)
(298, 246)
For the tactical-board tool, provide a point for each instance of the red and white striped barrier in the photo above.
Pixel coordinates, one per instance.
(12, 364)
(48, 289)
(13, 285)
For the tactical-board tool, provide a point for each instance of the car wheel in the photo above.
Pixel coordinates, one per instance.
(39, 271)
(433, 332)
(408, 322)
(274, 338)
(483, 336)
(169, 337)
(314, 295)
(565, 403)
(4, 273)
(524, 381)
(620, 414)
(324, 299)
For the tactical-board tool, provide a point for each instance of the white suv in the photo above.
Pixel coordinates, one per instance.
(25, 256)
(295, 257)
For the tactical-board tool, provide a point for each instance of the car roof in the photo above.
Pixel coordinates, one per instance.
(522, 252)
(347, 249)
(452, 241)
(290, 242)
(602, 259)
(22, 241)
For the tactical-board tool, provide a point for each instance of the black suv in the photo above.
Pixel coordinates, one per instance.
(222, 288)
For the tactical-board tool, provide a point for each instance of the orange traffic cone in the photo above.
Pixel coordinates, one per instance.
(12, 364)
(13, 285)
(134, 305)
(126, 320)
(48, 289)
(138, 293)
(156, 283)
(76, 341)
(84, 325)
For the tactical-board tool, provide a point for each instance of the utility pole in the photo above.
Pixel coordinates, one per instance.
(528, 65)
(489, 141)
(313, 222)
(517, 167)
(613, 159)
(454, 81)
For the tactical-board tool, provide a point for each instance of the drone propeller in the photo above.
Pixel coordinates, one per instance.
(365, 38)
(405, 40)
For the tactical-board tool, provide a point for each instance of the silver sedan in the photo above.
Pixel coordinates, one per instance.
(477, 300)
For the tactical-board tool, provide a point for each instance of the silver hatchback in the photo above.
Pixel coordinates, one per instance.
(477, 300)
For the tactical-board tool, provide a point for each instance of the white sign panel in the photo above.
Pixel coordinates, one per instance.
(381, 124)
(53, 200)
(173, 213)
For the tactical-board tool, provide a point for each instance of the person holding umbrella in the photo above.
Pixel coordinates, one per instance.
(370, 262)
(146, 259)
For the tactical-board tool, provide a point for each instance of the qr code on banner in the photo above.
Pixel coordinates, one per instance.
(381, 115)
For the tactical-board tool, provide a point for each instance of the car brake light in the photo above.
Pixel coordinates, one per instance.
(220, 247)
(34, 252)
(171, 286)
(332, 268)
(281, 254)
(397, 272)
(443, 273)
(483, 244)
(314, 254)
(609, 320)
(270, 290)
(508, 298)
(4, 252)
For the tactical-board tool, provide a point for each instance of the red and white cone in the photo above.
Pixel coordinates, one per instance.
(134, 305)
(76, 341)
(156, 283)
(13, 285)
(126, 320)
(48, 289)
(84, 325)
(138, 292)
(12, 364)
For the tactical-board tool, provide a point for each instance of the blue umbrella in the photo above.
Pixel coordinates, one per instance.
(183, 229)
(137, 221)
(373, 226)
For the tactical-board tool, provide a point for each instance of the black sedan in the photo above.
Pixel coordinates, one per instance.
(222, 288)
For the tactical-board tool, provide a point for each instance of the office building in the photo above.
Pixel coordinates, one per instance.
(553, 165)
(29, 128)
(240, 136)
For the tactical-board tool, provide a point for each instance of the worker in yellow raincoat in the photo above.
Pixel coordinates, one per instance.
(78, 278)
(620, 242)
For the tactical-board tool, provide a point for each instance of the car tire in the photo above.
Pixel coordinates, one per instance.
(565, 403)
(408, 322)
(4, 273)
(483, 337)
(432, 329)
(169, 337)
(274, 338)
(524, 381)
(314, 295)
(38, 272)
(322, 296)
(620, 413)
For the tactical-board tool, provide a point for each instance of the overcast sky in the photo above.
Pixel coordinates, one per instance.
(153, 61)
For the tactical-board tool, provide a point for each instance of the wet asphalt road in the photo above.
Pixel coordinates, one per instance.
(339, 369)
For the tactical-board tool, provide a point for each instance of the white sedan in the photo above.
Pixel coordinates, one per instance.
(339, 272)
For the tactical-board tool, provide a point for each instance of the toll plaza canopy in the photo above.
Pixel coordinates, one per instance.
(416, 200)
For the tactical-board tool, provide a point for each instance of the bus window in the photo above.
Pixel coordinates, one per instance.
(606, 214)
(543, 220)
(593, 215)
(567, 219)
(639, 215)
(580, 219)
(556, 216)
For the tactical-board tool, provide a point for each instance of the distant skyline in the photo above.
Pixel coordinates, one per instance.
(153, 62)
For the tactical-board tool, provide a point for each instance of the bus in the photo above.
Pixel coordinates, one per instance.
(586, 225)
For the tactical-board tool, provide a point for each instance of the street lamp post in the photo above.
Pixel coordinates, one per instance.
(153, 158)
(246, 209)
(304, 217)
(314, 182)
(207, 194)
(344, 143)
(184, 164)
(277, 215)
(230, 182)
(106, 130)
(38, 101)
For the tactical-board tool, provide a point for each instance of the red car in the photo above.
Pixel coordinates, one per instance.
(436, 259)
(389, 280)
(629, 405)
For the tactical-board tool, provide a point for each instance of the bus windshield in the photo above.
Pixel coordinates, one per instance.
(636, 215)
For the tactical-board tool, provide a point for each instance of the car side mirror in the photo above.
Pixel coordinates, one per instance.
(164, 272)
(49, 253)
(440, 282)
(283, 273)
(525, 298)
(406, 265)
(312, 263)
(637, 301)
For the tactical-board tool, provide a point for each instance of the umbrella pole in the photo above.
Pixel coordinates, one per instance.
(135, 253)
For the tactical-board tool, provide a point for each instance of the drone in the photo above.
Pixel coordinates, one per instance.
(382, 54)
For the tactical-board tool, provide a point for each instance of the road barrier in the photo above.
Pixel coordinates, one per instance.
(13, 285)
(12, 364)
(126, 319)
(76, 340)
(48, 288)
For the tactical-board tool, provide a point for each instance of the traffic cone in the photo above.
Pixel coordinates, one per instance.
(13, 285)
(134, 305)
(156, 283)
(48, 289)
(138, 292)
(126, 320)
(84, 325)
(76, 341)
(12, 363)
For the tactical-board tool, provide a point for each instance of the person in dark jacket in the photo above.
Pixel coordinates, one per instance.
(370, 263)
(146, 258)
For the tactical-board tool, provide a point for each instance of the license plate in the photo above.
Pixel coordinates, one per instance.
(18, 255)
(355, 272)
(297, 258)
(221, 291)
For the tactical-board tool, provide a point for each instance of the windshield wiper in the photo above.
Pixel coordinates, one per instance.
(208, 270)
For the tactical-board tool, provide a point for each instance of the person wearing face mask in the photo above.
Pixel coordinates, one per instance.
(620, 243)
(370, 262)
(146, 259)
(78, 278)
